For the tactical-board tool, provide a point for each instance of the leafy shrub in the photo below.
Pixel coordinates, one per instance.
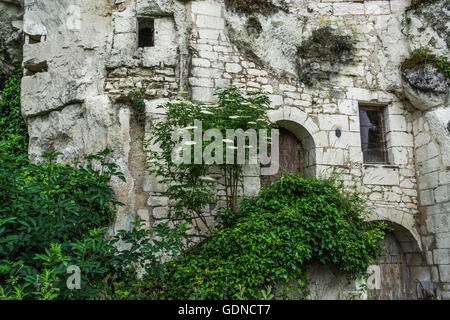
(288, 225)
(13, 130)
(51, 214)
(56, 215)
(191, 185)
(50, 204)
(138, 101)
(11, 121)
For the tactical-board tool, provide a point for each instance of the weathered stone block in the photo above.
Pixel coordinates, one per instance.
(160, 213)
(210, 22)
(380, 175)
(441, 256)
(233, 68)
(377, 7)
(332, 122)
(444, 272)
(347, 8)
(206, 8)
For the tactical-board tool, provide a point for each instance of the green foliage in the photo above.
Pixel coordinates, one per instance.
(56, 215)
(11, 121)
(52, 216)
(190, 186)
(288, 225)
(138, 101)
(13, 130)
(146, 253)
(423, 56)
(51, 204)
(264, 7)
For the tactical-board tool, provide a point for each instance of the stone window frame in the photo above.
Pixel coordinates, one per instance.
(383, 109)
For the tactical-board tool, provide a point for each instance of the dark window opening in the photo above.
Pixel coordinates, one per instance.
(33, 68)
(32, 39)
(146, 32)
(373, 135)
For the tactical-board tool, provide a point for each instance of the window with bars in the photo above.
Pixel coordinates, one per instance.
(373, 134)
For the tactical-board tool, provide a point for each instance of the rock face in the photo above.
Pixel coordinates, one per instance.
(11, 38)
(82, 63)
(426, 87)
(427, 78)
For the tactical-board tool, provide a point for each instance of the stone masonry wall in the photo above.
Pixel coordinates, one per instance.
(432, 148)
(391, 189)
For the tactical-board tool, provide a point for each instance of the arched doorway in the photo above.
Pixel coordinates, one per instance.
(296, 152)
(401, 272)
(290, 159)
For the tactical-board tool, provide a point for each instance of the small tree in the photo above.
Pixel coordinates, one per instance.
(203, 127)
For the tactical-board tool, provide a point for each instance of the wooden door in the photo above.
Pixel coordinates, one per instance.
(290, 157)
(393, 273)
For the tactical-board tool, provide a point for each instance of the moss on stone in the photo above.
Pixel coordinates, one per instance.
(322, 53)
(418, 4)
(254, 26)
(250, 7)
(422, 56)
(326, 45)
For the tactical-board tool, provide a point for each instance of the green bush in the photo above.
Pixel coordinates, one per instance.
(55, 215)
(288, 225)
(51, 214)
(13, 130)
(11, 121)
(49, 204)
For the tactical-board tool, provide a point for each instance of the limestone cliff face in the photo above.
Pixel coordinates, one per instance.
(82, 63)
(11, 38)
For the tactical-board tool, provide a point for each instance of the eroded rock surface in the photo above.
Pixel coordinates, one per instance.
(426, 78)
(11, 37)
(426, 87)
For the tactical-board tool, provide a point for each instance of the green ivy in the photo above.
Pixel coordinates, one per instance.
(288, 225)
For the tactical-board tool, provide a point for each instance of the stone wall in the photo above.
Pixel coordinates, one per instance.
(432, 146)
(83, 65)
